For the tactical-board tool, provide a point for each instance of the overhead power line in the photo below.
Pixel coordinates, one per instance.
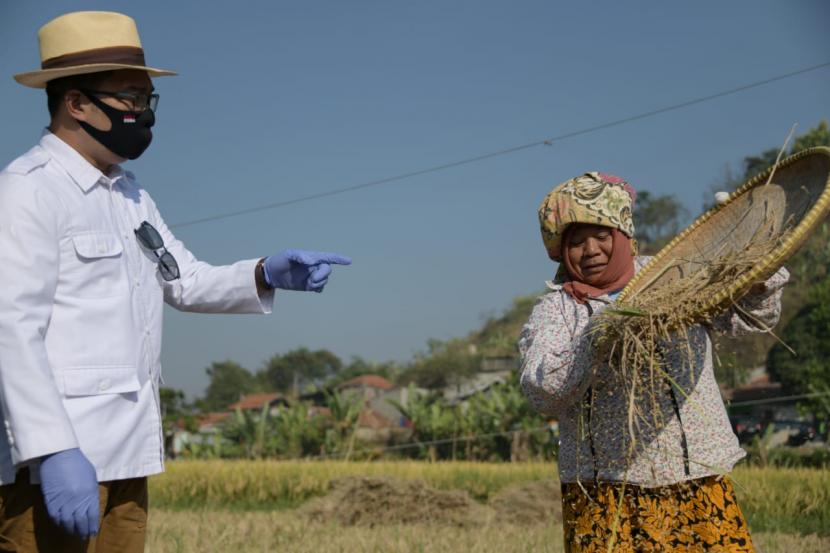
(498, 153)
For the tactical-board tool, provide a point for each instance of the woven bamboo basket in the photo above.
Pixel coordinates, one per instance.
(779, 212)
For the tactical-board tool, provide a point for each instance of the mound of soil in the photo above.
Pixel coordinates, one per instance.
(371, 501)
(529, 502)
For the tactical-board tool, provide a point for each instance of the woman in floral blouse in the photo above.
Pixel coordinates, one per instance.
(670, 492)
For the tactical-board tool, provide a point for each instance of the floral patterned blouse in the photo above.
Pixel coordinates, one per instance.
(561, 379)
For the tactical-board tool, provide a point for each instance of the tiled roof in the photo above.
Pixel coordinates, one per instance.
(209, 420)
(368, 380)
(254, 401)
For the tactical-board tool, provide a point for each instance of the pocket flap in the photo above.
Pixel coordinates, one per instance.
(93, 382)
(91, 245)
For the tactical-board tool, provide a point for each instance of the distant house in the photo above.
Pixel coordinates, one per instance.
(476, 384)
(760, 398)
(209, 422)
(179, 437)
(374, 427)
(255, 402)
(493, 370)
(375, 391)
(762, 403)
(365, 385)
(380, 420)
(387, 403)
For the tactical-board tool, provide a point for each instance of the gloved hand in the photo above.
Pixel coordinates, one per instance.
(70, 490)
(301, 270)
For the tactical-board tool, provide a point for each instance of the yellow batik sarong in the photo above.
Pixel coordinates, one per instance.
(690, 517)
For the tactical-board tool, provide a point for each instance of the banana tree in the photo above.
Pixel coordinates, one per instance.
(248, 431)
(345, 413)
(433, 420)
(293, 433)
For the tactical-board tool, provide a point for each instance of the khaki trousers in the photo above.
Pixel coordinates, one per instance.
(25, 525)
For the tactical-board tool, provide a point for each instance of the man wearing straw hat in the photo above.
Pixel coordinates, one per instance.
(86, 263)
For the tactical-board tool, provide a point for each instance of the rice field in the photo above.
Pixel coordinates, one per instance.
(252, 506)
(285, 484)
(268, 532)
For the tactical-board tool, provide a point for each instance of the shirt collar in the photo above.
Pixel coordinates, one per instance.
(553, 285)
(79, 169)
(558, 280)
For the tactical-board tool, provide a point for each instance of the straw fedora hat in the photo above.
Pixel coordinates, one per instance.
(87, 42)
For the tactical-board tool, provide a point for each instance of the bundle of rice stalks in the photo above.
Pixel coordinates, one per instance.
(704, 272)
(635, 338)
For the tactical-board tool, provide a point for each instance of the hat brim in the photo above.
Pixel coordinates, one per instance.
(38, 79)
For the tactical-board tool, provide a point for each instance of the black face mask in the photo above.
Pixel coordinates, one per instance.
(130, 133)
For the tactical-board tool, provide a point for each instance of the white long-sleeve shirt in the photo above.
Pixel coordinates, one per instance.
(81, 312)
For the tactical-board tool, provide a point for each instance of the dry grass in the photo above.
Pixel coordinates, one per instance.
(243, 532)
(773, 499)
(250, 532)
(269, 484)
(778, 503)
(385, 501)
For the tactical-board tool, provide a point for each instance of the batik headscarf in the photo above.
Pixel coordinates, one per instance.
(592, 198)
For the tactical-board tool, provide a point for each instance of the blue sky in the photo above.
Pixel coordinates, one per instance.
(278, 100)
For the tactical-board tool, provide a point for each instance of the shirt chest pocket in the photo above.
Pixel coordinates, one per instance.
(94, 266)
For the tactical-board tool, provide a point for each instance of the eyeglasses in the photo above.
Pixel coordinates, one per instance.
(151, 239)
(139, 101)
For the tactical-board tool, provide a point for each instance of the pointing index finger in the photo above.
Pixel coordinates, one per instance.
(333, 258)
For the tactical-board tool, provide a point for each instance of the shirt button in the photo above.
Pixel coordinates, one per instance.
(104, 384)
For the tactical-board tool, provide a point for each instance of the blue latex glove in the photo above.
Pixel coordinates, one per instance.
(70, 490)
(301, 270)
